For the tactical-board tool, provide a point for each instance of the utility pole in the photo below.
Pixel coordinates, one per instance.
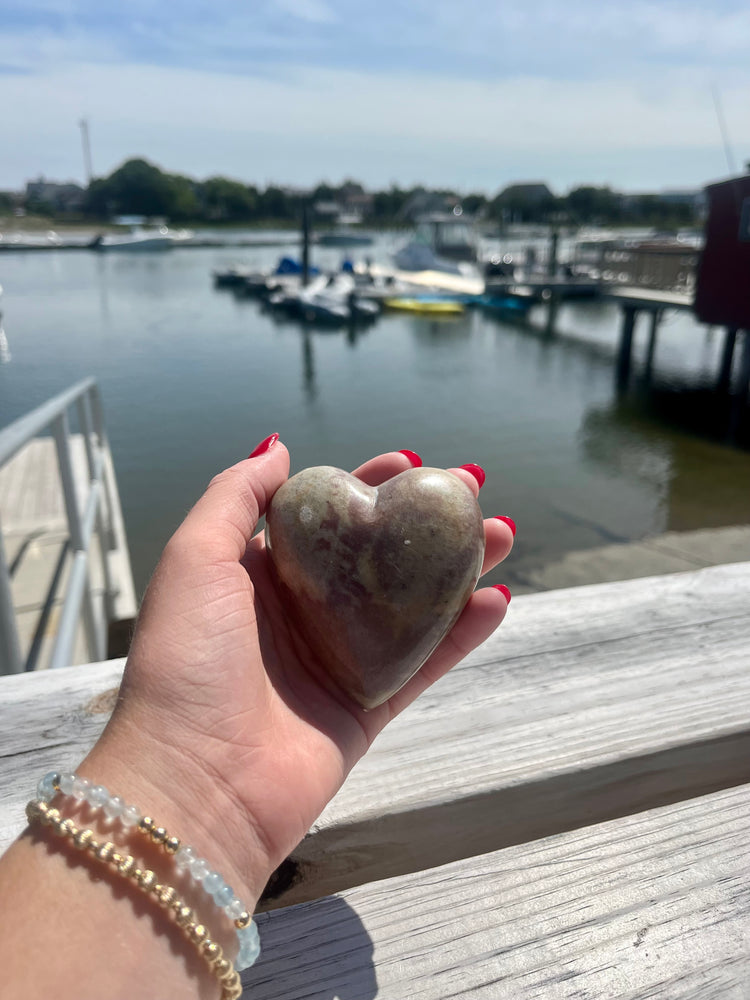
(84, 126)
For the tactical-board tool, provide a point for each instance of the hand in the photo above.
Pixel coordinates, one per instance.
(222, 722)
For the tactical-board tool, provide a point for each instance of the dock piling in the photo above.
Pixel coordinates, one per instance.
(740, 398)
(727, 356)
(656, 315)
(305, 245)
(553, 304)
(625, 350)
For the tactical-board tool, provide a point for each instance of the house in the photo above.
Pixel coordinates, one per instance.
(68, 197)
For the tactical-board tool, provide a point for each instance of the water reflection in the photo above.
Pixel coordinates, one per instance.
(308, 365)
(629, 443)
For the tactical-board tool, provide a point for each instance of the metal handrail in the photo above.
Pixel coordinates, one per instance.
(81, 524)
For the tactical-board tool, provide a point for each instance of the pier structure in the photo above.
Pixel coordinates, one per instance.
(66, 585)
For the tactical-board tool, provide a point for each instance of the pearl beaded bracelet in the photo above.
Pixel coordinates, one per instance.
(186, 859)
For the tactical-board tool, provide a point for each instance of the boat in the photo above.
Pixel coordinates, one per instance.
(234, 276)
(329, 299)
(344, 238)
(507, 305)
(286, 276)
(426, 305)
(140, 240)
(441, 242)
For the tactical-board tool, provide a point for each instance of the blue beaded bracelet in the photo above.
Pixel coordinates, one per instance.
(186, 859)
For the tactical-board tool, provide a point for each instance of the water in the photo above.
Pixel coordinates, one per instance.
(193, 378)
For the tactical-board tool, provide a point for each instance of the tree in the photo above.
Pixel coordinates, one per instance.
(594, 204)
(140, 188)
(228, 201)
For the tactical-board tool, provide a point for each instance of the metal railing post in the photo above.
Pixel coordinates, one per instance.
(11, 660)
(61, 433)
(97, 413)
(97, 511)
(87, 428)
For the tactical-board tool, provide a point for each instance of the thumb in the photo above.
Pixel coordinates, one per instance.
(226, 516)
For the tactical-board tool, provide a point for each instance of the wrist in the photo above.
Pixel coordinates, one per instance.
(179, 794)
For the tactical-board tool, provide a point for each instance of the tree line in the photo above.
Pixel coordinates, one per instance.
(141, 188)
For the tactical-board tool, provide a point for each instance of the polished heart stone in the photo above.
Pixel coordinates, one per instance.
(374, 577)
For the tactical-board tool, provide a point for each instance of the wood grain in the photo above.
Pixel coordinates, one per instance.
(48, 720)
(655, 905)
(587, 704)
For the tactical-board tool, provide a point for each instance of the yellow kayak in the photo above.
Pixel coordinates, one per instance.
(426, 306)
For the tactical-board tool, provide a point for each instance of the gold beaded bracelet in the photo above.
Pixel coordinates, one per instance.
(165, 895)
(186, 860)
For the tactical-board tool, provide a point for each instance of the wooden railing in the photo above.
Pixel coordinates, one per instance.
(660, 268)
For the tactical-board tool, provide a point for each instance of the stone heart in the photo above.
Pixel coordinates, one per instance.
(374, 577)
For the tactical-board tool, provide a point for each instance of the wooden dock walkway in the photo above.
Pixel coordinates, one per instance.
(35, 536)
(565, 815)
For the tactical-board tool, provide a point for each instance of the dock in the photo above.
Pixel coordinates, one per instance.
(39, 551)
(565, 815)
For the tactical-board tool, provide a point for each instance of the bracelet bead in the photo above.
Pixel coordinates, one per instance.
(80, 787)
(113, 807)
(172, 845)
(130, 816)
(126, 866)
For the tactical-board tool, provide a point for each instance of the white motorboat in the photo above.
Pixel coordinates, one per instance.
(141, 239)
(441, 243)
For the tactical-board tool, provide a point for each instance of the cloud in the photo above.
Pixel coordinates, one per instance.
(314, 11)
(474, 39)
(431, 89)
(306, 123)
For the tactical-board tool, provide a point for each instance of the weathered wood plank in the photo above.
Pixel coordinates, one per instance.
(47, 720)
(588, 704)
(655, 905)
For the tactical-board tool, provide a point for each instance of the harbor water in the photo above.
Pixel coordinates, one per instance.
(193, 377)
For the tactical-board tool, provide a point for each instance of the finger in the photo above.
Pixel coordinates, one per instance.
(498, 541)
(479, 619)
(472, 475)
(385, 467)
(225, 517)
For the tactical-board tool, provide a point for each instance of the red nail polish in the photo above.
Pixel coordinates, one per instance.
(264, 446)
(477, 472)
(503, 590)
(508, 520)
(413, 457)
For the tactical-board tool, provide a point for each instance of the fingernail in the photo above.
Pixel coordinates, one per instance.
(264, 446)
(508, 520)
(477, 472)
(503, 590)
(413, 457)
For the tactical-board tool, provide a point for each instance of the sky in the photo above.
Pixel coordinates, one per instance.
(467, 94)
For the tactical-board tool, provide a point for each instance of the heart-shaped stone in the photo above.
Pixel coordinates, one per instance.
(374, 577)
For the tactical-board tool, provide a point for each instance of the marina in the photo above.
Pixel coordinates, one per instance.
(177, 363)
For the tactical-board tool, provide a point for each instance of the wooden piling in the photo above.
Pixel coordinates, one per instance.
(305, 245)
(727, 355)
(656, 315)
(625, 350)
(552, 259)
(553, 304)
(740, 398)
